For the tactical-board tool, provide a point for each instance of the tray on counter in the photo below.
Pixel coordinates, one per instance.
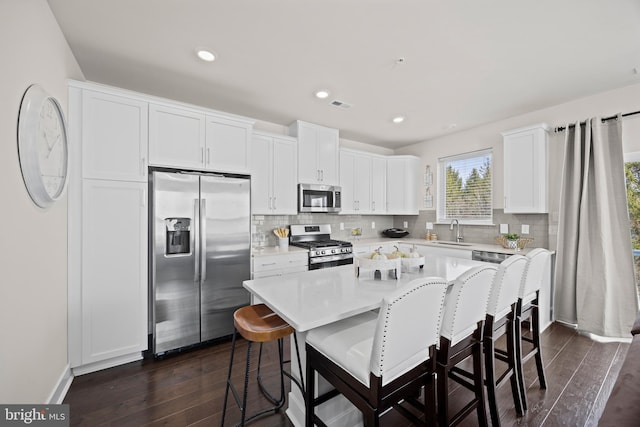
(391, 267)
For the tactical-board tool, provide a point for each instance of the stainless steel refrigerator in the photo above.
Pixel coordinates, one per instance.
(200, 254)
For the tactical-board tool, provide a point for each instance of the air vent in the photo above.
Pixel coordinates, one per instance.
(340, 104)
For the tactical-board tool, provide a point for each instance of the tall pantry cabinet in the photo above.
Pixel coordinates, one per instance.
(107, 227)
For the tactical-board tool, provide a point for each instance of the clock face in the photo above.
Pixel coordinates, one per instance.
(52, 153)
(42, 146)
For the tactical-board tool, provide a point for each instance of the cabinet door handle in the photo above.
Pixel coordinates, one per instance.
(322, 175)
(208, 155)
(373, 206)
(274, 203)
(143, 167)
(268, 264)
(202, 155)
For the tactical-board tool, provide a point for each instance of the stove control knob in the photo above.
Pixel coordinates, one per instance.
(333, 251)
(322, 252)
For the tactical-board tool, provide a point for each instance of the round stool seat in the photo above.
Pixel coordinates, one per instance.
(258, 323)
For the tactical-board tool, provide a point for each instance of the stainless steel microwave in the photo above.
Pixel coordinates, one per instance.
(319, 198)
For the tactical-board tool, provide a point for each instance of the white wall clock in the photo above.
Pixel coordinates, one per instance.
(42, 146)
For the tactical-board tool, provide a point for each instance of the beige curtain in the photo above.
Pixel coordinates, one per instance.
(595, 285)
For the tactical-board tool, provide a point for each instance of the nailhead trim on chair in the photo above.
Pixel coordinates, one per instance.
(386, 323)
(453, 321)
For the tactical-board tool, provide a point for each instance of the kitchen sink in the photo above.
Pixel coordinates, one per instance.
(441, 242)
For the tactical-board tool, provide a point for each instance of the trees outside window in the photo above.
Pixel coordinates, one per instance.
(465, 190)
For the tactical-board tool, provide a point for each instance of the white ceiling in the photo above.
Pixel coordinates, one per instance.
(466, 62)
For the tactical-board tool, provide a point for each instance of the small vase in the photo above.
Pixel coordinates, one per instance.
(513, 244)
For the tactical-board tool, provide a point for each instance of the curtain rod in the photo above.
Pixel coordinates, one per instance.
(605, 119)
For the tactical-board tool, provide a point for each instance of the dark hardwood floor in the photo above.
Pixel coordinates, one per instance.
(188, 389)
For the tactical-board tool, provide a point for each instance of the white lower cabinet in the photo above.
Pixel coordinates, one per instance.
(432, 250)
(279, 264)
(112, 310)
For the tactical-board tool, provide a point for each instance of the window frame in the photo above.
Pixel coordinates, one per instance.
(441, 217)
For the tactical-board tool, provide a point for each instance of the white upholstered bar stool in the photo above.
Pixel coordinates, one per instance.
(500, 321)
(536, 273)
(377, 359)
(460, 338)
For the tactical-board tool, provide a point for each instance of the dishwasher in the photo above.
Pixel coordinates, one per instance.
(486, 256)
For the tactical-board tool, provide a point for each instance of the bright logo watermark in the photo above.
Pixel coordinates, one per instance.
(34, 415)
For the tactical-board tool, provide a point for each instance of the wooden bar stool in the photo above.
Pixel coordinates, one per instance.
(528, 309)
(465, 309)
(501, 321)
(257, 323)
(377, 360)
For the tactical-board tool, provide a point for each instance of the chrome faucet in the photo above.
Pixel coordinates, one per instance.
(459, 238)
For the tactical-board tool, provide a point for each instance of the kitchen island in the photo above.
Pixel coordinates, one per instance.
(314, 298)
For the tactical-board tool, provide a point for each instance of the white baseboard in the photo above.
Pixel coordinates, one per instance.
(105, 364)
(62, 386)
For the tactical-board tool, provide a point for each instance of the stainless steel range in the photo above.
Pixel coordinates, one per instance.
(324, 252)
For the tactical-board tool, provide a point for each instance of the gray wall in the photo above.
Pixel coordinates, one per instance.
(33, 289)
(266, 224)
(538, 227)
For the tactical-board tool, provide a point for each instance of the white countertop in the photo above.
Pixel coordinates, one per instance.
(314, 298)
(469, 246)
(275, 250)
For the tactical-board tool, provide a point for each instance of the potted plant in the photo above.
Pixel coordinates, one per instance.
(512, 240)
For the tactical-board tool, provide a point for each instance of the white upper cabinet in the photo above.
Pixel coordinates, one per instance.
(317, 153)
(378, 184)
(525, 170)
(114, 137)
(403, 180)
(355, 180)
(227, 145)
(191, 139)
(273, 174)
(176, 137)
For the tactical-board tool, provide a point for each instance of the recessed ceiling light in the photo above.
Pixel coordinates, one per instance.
(398, 119)
(322, 94)
(206, 55)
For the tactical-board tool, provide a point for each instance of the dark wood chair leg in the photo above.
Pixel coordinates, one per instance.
(520, 366)
(536, 344)
(478, 371)
(443, 384)
(309, 394)
(430, 396)
(514, 366)
(490, 373)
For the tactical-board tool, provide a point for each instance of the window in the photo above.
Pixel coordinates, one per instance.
(632, 174)
(465, 188)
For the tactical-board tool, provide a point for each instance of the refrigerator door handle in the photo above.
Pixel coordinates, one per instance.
(196, 239)
(203, 240)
